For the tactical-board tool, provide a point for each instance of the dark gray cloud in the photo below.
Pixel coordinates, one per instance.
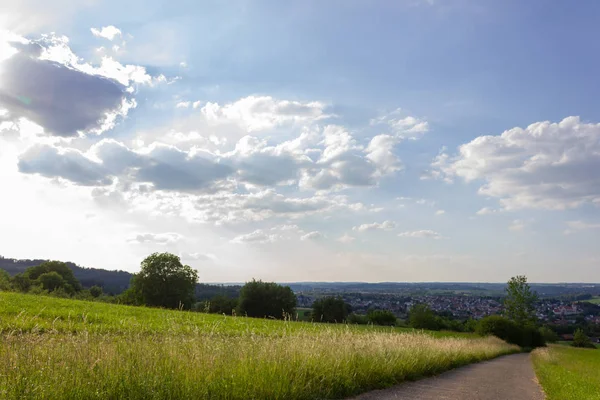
(61, 99)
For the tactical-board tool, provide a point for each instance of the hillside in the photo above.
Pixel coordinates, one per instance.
(67, 349)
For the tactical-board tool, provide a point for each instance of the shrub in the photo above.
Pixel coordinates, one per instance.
(96, 291)
(330, 309)
(580, 339)
(266, 299)
(422, 317)
(527, 336)
(5, 280)
(381, 317)
(357, 319)
(549, 335)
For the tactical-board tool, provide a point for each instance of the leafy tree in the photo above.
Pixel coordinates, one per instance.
(61, 268)
(357, 319)
(266, 299)
(5, 280)
(519, 304)
(523, 335)
(51, 281)
(220, 304)
(381, 317)
(549, 335)
(164, 282)
(96, 291)
(330, 309)
(580, 339)
(422, 317)
(21, 282)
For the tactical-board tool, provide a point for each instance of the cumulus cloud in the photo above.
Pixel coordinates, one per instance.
(258, 236)
(546, 165)
(156, 238)
(108, 32)
(44, 82)
(421, 234)
(256, 113)
(487, 211)
(518, 225)
(440, 212)
(401, 125)
(386, 226)
(315, 235)
(345, 238)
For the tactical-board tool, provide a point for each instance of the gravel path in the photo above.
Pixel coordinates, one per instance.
(504, 378)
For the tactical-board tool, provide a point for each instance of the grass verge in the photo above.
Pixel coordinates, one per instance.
(568, 373)
(65, 349)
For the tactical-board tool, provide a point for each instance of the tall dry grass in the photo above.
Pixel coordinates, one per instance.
(330, 364)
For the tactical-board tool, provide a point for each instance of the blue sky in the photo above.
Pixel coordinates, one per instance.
(290, 141)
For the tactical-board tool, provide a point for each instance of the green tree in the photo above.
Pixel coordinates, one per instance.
(96, 291)
(266, 299)
(330, 309)
(51, 281)
(580, 339)
(519, 303)
(549, 335)
(164, 282)
(5, 283)
(381, 317)
(421, 316)
(220, 304)
(70, 285)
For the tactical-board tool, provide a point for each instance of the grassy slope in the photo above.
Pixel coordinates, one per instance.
(568, 373)
(595, 300)
(56, 348)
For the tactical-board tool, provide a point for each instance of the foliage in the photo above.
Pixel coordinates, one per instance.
(580, 339)
(218, 305)
(381, 317)
(549, 335)
(421, 316)
(357, 319)
(519, 304)
(164, 282)
(51, 281)
(96, 291)
(266, 299)
(330, 309)
(527, 335)
(123, 352)
(568, 373)
(5, 280)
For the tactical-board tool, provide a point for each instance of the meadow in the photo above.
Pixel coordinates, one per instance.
(54, 348)
(594, 300)
(568, 373)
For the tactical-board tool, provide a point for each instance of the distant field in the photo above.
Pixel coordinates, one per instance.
(568, 373)
(65, 349)
(595, 300)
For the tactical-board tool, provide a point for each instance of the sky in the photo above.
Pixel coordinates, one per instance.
(410, 140)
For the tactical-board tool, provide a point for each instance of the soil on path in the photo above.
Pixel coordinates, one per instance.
(504, 378)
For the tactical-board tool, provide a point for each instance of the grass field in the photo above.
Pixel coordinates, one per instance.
(595, 300)
(64, 349)
(568, 373)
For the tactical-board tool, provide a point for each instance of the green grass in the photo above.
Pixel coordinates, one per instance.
(595, 300)
(568, 373)
(65, 349)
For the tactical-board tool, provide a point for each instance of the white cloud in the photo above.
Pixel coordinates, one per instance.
(518, 225)
(487, 211)
(386, 226)
(257, 113)
(575, 226)
(421, 234)
(547, 165)
(183, 104)
(108, 32)
(403, 126)
(314, 235)
(156, 238)
(440, 212)
(258, 236)
(345, 238)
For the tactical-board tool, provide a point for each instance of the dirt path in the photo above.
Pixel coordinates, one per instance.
(505, 378)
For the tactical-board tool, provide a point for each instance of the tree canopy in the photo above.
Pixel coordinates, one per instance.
(519, 304)
(422, 317)
(330, 309)
(266, 299)
(165, 282)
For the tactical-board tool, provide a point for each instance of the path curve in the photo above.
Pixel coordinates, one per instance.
(504, 378)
